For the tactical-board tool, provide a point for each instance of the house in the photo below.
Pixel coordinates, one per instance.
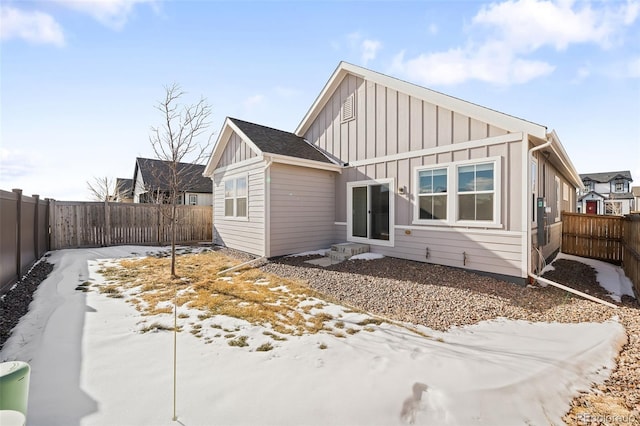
(124, 190)
(151, 183)
(411, 172)
(635, 191)
(606, 193)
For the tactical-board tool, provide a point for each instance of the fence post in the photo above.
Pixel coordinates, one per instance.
(53, 244)
(107, 224)
(18, 192)
(36, 227)
(47, 223)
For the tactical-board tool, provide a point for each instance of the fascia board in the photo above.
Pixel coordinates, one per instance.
(228, 128)
(484, 114)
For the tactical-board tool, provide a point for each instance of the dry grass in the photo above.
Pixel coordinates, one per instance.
(248, 294)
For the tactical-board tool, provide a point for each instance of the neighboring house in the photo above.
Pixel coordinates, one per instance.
(635, 191)
(606, 193)
(124, 190)
(414, 173)
(151, 183)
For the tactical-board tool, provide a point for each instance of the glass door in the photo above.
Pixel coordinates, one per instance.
(370, 206)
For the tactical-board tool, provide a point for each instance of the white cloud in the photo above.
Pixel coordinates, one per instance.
(253, 101)
(433, 29)
(503, 35)
(111, 13)
(633, 68)
(32, 26)
(366, 48)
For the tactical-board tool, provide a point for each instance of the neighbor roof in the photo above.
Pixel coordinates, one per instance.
(274, 141)
(635, 190)
(155, 174)
(124, 186)
(604, 177)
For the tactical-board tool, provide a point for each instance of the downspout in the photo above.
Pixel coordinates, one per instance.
(267, 208)
(529, 220)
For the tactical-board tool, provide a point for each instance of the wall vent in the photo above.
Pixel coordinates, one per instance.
(348, 110)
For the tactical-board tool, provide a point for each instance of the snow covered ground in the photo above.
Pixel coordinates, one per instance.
(91, 365)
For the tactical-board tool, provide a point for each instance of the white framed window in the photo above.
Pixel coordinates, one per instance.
(465, 193)
(476, 192)
(193, 199)
(235, 197)
(565, 191)
(432, 199)
(619, 187)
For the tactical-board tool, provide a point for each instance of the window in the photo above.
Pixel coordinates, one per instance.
(613, 207)
(565, 192)
(619, 187)
(558, 199)
(432, 194)
(235, 197)
(193, 199)
(476, 192)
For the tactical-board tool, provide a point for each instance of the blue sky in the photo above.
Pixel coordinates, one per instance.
(80, 79)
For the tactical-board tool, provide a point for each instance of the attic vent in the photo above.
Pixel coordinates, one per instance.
(348, 111)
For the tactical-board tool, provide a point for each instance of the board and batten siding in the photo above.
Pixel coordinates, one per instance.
(248, 234)
(235, 151)
(388, 122)
(302, 212)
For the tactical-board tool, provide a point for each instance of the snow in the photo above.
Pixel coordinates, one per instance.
(366, 256)
(92, 366)
(610, 277)
(321, 252)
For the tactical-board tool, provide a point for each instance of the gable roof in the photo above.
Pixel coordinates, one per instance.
(279, 145)
(155, 175)
(592, 193)
(604, 177)
(274, 141)
(487, 115)
(124, 187)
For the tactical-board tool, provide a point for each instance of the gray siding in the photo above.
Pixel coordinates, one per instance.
(245, 235)
(497, 253)
(302, 209)
(388, 122)
(235, 151)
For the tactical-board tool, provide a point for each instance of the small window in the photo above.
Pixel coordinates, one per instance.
(348, 108)
(432, 194)
(619, 187)
(476, 192)
(235, 197)
(558, 199)
(565, 192)
(193, 199)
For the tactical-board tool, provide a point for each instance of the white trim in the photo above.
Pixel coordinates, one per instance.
(525, 218)
(469, 109)
(241, 164)
(228, 128)
(465, 230)
(496, 140)
(392, 193)
(416, 199)
(533, 191)
(234, 178)
(340, 223)
(557, 182)
(497, 191)
(295, 161)
(267, 209)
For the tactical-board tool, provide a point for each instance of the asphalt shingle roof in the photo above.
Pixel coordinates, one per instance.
(274, 141)
(124, 186)
(155, 174)
(606, 176)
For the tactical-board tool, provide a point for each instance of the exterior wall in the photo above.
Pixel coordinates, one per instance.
(245, 234)
(388, 122)
(204, 199)
(138, 188)
(235, 151)
(302, 210)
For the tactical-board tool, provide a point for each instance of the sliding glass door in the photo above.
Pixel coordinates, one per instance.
(371, 207)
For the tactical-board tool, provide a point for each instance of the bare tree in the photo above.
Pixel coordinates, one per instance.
(103, 189)
(175, 142)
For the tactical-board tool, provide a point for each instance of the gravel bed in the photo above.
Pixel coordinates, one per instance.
(441, 297)
(16, 302)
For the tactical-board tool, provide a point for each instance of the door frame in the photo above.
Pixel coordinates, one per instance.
(392, 210)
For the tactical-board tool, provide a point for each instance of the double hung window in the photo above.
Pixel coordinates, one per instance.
(235, 197)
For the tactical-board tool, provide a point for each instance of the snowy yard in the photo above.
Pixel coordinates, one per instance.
(97, 360)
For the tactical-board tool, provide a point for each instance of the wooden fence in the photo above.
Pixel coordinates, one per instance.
(631, 250)
(595, 237)
(614, 239)
(29, 227)
(24, 234)
(87, 224)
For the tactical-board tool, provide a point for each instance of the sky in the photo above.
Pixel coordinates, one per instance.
(80, 80)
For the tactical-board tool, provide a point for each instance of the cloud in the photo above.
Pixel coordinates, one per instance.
(504, 35)
(633, 68)
(253, 101)
(365, 47)
(16, 163)
(111, 13)
(32, 26)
